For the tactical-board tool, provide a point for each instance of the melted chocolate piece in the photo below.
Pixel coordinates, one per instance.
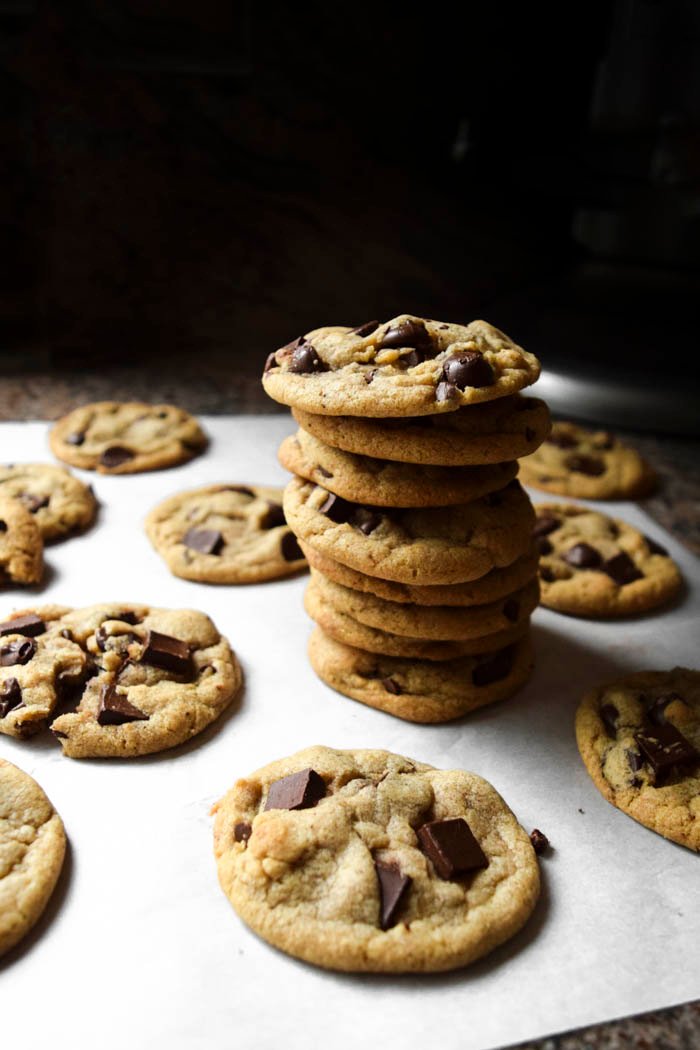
(270, 362)
(366, 329)
(10, 695)
(656, 708)
(392, 889)
(622, 569)
(546, 574)
(170, 654)
(115, 455)
(242, 831)
(561, 439)
(289, 547)
(300, 790)
(305, 359)
(3, 525)
(28, 624)
(17, 652)
(664, 747)
(634, 759)
(391, 686)
(407, 334)
(543, 545)
(366, 520)
(583, 556)
(590, 465)
(336, 508)
(467, 369)
(412, 358)
(322, 471)
(273, 517)
(540, 842)
(495, 667)
(369, 376)
(75, 439)
(655, 548)
(243, 489)
(511, 610)
(545, 524)
(609, 715)
(127, 616)
(206, 541)
(451, 846)
(33, 503)
(115, 709)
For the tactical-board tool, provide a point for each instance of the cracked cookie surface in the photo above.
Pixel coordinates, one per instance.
(59, 503)
(21, 545)
(345, 881)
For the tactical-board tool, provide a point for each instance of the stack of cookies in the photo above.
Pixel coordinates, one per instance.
(406, 504)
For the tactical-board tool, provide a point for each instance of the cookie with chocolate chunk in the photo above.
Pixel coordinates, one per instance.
(368, 861)
(593, 565)
(32, 848)
(126, 437)
(587, 464)
(225, 534)
(59, 503)
(404, 367)
(21, 545)
(639, 738)
(421, 690)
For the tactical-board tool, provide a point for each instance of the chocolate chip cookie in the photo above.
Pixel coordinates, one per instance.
(639, 738)
(59, 503)
(429, 546)
(32, 848)
(368, 861)
(225, 534)
(404, 367)
(593, 565)
(586, 464)
(126, 437)
(492, 432)
(421, 690)
(21, 545)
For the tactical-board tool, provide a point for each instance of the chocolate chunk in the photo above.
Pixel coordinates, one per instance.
(622, 569)
(128, 616)
(300, 790)
(634, 759)
(242, 831)
(115, 709)
(369, 376)
(392, 889)
(546, 574)
(3, 525)
(17, 652)
(75, 439)
(170, 654)
(206, 541)
(288, 349)
(664, 747)
(451, 846)
(322, 471)
(446, 392)
(28, 624)
(412, 358)
(590, 465)
(366, 329)
(33, 503)
(336, 508)
(561, 439)
(540, 842)
(273, 517)
(305, 359)
(392, 686)
(609, 715)
(495, 667)
(655, 548)
(656, 708)
(270, 362)
(115, 455)
(543, 545)
(243, 489)
(545, 524)
(366, 520)
(289, 547)
(467, 369)
(583, 556)
(10, 695)
(406, 334)
(511, 610)
(66, 633)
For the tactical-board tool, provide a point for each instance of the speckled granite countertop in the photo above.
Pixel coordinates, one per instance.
(675, 505)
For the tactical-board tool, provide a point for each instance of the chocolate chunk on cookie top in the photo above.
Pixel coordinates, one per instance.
(396, 867)
(407, 366)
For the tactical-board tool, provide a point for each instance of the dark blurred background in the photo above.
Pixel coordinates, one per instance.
(186, 186)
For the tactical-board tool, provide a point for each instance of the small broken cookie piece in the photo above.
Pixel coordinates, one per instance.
(21, 545)
(587, 464)
(126, 437)
(59, 503)
(593, 565)
(225, 534)
(639, 738)
(374, 862)
(157, 678)
(407, 366)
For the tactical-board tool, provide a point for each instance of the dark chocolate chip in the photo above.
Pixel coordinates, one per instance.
(540, 842)
(115, 455)
(128, 616)
(446, 392)
(270, 362)
(206, 541)
(664, 747)
(412, 358)
(322, 471)
(609, 715)
(288, 349)
(511, 610)
(75, 439)
(656, 708)
(273, 517)
(452, 848)
(406, 334)
(655, 548)
(28, 624)
(583, 556)
(369, 376)
(495, 667)
(590, 465)
(3, 525)
(17, 652)
(366, 520)
(59, 735)
(305, 359)
(545, 524)
(10, 695)
(634, 759)
(366, 329)
(115, 709)
(622, 569)
(392, 889)
(391, 686)
(170, 654)
(467, 369)
(543, 545)
(66, 633)
(33, 503)
(242, 831)
(289, 547)
(300, 790)
(546, 574)
(561, 439)
(243, 489)
(336, 508)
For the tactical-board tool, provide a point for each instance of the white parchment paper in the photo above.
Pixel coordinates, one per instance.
(139, 948)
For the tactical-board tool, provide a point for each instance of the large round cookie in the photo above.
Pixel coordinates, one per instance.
(59, 503)
(420, 690)
(404, 367)
(639, 738)
(586, 464)
(436, 545)
(493, 432)
(32, 848)
(593, 565)
(125, 437)
(363, 479)
(496, 584)
(225, 534)
(159, 677)
(367, 861)
(21, 545)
